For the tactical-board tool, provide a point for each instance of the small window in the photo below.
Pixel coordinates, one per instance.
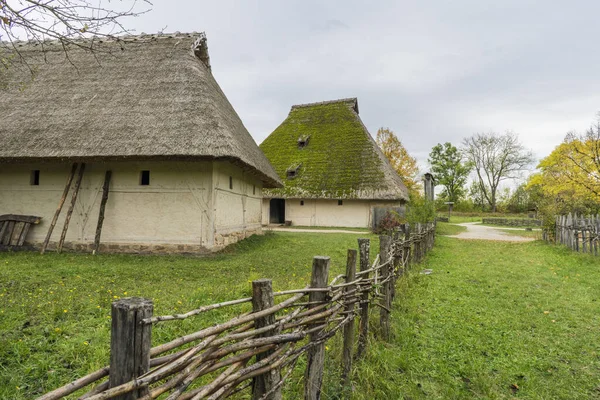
(34, 179)
(231, 182)
(253, 189)
(301, 202)
(303, 141)
(145, 178)
(340, 202)
(293, 171)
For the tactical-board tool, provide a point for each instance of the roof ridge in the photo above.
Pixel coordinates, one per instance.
(320, 103)
(107, 39)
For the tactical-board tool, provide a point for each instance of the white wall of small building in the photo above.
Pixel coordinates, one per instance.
(326, 212)
(186, 203)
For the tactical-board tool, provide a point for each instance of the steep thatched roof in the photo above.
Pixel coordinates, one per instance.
(323, 150)
(143, 97)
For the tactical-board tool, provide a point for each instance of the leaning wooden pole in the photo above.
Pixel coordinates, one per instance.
(71, 207)
(61, 202)
(107, 177)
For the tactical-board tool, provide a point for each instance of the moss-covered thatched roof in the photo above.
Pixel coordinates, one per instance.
(139, 97)
(340, 159)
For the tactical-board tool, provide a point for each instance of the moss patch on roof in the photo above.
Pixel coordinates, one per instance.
(341, 159)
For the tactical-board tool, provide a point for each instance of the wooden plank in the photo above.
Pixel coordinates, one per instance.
(31, 219)
(315, 356)
(3, 228)
(61, 202)
(5, 239)
(24, 234)
(262, 298)
(105, 187)
(16, 233)
(130, 343)
(71, 208)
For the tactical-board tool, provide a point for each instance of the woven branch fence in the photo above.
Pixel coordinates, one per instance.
(257, 351)
(579, 233)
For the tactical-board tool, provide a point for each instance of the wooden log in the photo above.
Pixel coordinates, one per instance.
(364, 246)
(61, 202)
(384, 314)
(313, 377)
(71, 208)
(349, 327)
(105, 187)
(262, 299)
(130, 343)
(407, 250)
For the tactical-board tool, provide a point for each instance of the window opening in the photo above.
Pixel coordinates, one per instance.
(145, 178)
(231, 182)
(34, 179)
(340, 202)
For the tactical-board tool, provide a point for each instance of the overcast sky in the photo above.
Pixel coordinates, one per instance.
(433, 72)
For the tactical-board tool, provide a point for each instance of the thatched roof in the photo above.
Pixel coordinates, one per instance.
(323, 150)
(142, 97)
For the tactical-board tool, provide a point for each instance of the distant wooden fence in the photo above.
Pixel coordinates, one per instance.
(257, 351)
(579, 233)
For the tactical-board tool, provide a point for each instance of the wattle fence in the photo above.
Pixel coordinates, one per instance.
(257, 351)
(579, 233)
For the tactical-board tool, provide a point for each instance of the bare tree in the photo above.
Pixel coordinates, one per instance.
(496, 158)
(67, 21)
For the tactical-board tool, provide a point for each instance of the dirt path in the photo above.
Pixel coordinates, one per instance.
(477, 231)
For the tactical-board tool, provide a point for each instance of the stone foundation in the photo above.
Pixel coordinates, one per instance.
(223, 240)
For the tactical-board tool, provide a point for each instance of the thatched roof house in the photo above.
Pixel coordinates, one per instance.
(143, 103)
(327, 158)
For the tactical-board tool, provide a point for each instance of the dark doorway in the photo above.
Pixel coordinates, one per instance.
(277, 211)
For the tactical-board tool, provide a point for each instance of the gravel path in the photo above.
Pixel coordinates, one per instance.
(477, 231)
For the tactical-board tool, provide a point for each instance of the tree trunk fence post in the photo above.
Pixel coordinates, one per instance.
(262, 298)
(384, 314)
(313, 377)
(130, 342)
(349, 327)
(407, 250)
(364, 246)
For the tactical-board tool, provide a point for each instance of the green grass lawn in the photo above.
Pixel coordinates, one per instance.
(448, 229)
(494, 320)
(55, 309)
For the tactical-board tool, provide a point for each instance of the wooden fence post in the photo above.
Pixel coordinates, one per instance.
(384, 315)
(349, 327)
(262, 298)
(407, 250)
(364, 246)
(130, 343)
(313, 377)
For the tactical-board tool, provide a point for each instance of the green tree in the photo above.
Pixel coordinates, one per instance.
(449, 170)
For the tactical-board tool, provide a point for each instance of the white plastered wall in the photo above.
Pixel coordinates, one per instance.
(178, 207)
(324, 212)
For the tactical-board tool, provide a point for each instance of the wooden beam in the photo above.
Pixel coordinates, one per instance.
(105, 187)
(71, 207)
(59, 208)
(30, 219)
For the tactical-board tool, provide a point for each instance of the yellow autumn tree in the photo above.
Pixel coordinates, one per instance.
(404, 164)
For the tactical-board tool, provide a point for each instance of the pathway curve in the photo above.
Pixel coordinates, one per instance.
(477, 231)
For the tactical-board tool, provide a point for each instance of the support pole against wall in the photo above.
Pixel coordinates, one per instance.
(61, 202)
(71, 207)
(105, 187)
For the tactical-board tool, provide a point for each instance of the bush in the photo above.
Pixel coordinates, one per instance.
(420, 210)
(389, 223)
